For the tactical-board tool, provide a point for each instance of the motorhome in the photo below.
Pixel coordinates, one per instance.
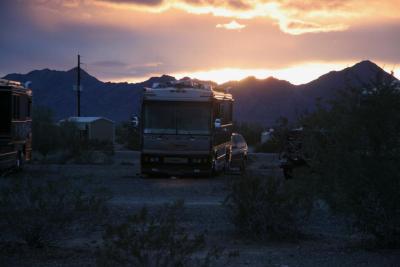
(185, 128)
(15, 124)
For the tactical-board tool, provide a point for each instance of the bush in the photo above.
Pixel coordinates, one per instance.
(278, 139)
(153, 240)
(357, 163)
(41, 213)
(66, 138)
(92, 152)
(69, 138)
(250, 131)
(80, 149)
(45, 134)
(107, 147)
(273, 145)
(267, 208)
(128, 136)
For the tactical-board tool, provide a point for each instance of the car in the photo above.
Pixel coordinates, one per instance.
(239, 151)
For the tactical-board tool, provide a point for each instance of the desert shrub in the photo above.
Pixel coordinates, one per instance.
(278, 138)
(273, 145)
(266, 208)
(65, 138)
(128, 136)
(153, 240)
(107, 147)
(69, 138)
(250, 131)
(78, 147)
(357, 162)
(45, 134)
(42, 213)
(92, 151)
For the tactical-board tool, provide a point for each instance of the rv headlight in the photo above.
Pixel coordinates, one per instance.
(199, 160)
(195, 160)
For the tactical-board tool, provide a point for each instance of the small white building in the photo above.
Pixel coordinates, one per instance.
(95, 128)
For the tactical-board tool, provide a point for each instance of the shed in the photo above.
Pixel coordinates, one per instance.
(95, 128)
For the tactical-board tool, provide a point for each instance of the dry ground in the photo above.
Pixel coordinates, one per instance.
(327, 242)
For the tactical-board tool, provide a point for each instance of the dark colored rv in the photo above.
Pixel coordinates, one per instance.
(15, 124)
(185, 129)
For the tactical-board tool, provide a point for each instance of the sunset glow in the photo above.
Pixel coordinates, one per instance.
(292, 16)
(297, 74)
(132, 40)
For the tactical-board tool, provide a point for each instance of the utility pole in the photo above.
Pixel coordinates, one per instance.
(78, 86)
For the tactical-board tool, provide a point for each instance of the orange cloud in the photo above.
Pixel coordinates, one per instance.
(292, 16)
(233, 25)
(135, 2)
(299, 27)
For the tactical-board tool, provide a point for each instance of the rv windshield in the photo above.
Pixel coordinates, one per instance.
(177, 118)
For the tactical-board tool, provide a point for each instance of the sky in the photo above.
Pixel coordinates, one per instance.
(132, 40)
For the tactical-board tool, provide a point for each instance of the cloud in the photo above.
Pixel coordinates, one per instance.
(235, 4)
(152, 64)
(117, 68)
(311, 5)
(132, 42)
(109, 64)
(300, 27)
(292, 16)
(135, 2)
(233, 25)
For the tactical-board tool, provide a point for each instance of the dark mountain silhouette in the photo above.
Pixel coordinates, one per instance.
(257, 100)
(264, 101)
(54, 89)
(261, 101)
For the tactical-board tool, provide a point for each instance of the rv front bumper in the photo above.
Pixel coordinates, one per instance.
(175, 165)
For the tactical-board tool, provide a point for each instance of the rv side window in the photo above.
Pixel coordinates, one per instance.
(216, 111)
(222, 112)
(226, 112)
(23, 107)
(229, 111)
(16, 113)
(29, 108)
(5, 112)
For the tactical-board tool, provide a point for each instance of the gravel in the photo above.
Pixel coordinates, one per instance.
(327, 241)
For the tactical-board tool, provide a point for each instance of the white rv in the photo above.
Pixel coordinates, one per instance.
(185, 128)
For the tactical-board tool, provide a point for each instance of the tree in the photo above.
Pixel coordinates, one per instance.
(44, 131)
(354, 144)
(128, 136)
(250, 131)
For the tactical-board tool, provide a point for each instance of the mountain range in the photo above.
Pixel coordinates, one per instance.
(256, 100)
